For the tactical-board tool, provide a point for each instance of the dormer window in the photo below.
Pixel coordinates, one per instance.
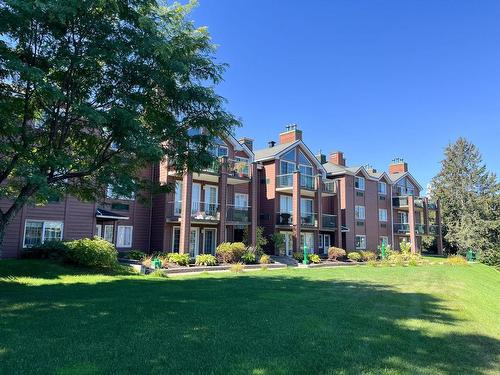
(359, 183)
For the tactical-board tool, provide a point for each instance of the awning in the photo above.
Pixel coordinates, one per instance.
(108, 215)
(343, 228)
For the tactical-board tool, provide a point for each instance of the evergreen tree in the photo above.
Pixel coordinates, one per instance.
(469, 197)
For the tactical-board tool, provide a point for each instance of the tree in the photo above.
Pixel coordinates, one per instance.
(469, 197)
(92, 91)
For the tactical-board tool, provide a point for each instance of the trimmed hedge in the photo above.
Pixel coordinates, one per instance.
(94, 252)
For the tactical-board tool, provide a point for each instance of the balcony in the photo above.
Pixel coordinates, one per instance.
(400, 202)
(419, 202)
(284, 181)
(237, 214)
(402, 191)
(308, 220)
(401, 228)
(433, 230)
(329, 188)
(200, 211)
(420, 229)
(329, 221)
(307, 182)
(238, 172)
(284, 218)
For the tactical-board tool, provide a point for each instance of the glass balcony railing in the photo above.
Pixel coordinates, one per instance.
(419, 228)
(329, 221)
(329, 187)
(214, 167)
(238, 214)
(433, 230)
(199, 210)
(284, 180)
(401, 228)
(284, 218)
(400, 201)
(402, 191)
(307, 182)
(308, 219)
(239, 168)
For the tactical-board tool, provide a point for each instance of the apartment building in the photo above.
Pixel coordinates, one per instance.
(313, 200)
(379, 207)
(210, 207)
(295, 198)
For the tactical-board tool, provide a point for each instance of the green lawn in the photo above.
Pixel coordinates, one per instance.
(435, 319)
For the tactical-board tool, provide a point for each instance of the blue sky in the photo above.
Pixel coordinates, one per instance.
(375, 79)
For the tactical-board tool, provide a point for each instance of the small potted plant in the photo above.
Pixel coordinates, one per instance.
(241, 169)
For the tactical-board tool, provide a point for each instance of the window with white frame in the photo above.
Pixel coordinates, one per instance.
(286, 205)
(37, 232)
(320, 244)
(382, 188)
(359, 183)
(176, 239)
(326, 241)
(384, 240)
(109, 232)
(360, 242)
(360, 212)
(124, 236)
(241, 200)
(382, 214)
(98, 230)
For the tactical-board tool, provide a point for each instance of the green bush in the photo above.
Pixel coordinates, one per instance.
(135, 255)
(238, 267)
(206, 260)
(265, 259)
(354, 256)
(158, 273)
(367, 255)
(94, 252)
(336, 253)
(456, 260)
(49, 250)
(491, 257)
(179, 259)
(230, 252)
(314, 258)
(298, 255)
(248, 258)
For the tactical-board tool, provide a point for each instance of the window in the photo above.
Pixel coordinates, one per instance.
(320, 244)
(384, 240)
(286, 167)
(124, 236)
(360, 212)
(108, 233)
(402, 217)
(176, 239)
(303, 159)
(223, 151)
(359, 183)
(290, 156)
(98, 230)
(382, 214)
(178, 198)
(306, 206)
(211, 198)
(382, 188)
(286, 204)
(241, 200)
(360, 242)
(37, 232)
(326, 242)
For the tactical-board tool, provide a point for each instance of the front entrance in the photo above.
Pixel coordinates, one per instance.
(288, 243)
(324, 243)
(194, 237)
(238, 234)
(307, 239)
(209, 240)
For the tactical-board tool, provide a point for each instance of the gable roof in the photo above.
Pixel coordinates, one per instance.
(275, 152)
(337, 169)
(395, 177)
(243, 146)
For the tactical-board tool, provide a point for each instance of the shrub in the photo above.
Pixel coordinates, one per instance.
(47, 250)
(278, 240)
(265, 259)
(336, 253)
(158, 273)
(230, 252)
(95, 252)
(206, 260)
(491, 257)
(238, 267)
(179, 259)
(248, 258)
(314, 258)
(135, 255)
(367, 255)
(456, 260)
(354, 256)
(298, 255)
(405, 247)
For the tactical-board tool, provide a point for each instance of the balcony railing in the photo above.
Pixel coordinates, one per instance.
(200, 210)
(329, 187)
(401, 228)
(402, 191)
(214, 167)
(400, 201)
(307, 182)
(284, 218)
(238, 168)
(238, 214)
(308, 219)
(284, 180)
(419, 228)
(329, 221)
(433, 230)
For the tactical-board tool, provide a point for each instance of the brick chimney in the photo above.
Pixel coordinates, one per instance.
(291, 134)
(337, 157)
(398, 165)
(247, 142)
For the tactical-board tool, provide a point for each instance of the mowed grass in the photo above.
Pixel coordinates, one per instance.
(434, 319)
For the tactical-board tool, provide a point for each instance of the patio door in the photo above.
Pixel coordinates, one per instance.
(210, 235)
(194, 237)
(211, 195)
(288, 243)
(195, 200)
(308, 240)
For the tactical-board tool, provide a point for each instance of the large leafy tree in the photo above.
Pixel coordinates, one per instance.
(91, 91)
(469, 196)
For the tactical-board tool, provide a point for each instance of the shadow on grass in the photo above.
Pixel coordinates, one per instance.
(261, 324)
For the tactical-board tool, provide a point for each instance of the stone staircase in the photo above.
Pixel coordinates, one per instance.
(289, 261)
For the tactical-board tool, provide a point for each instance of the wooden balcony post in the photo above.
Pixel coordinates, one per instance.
(185, 232)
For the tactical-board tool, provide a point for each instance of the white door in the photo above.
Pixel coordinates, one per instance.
(178, 198)
(288, 243)
(195, 199)
(308, 240)
(211, 198)
(326, 243)
(209, 241)
(193, 242)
